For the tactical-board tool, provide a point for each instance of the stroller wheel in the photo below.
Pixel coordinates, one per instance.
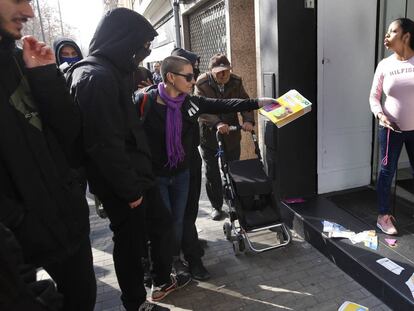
(227, 230)
(280, 236)
(238, 245)
(242, 246)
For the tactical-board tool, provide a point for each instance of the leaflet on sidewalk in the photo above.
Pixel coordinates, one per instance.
(390, 265)
(335, 230)
(369, 237)
(352, 306)
(410, 284)
(286, 108)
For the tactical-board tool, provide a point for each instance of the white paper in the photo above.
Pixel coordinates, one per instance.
(410, 284)
(390, 265)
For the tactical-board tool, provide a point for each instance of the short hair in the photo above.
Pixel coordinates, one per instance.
(173, 64)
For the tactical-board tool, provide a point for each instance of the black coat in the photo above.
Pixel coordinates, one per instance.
(19, 290)
(191, 109)
(118, 161)
(40, 200)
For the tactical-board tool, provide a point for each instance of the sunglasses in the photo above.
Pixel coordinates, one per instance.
(188, 77)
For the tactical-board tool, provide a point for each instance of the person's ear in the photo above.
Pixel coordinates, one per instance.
(407, 37)
(170, 78)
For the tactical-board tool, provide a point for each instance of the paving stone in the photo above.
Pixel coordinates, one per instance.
(296, 277)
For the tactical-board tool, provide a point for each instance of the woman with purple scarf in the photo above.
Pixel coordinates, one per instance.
(169, 125)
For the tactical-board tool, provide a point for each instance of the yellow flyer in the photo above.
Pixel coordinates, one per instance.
(287, 108)
(352, 306)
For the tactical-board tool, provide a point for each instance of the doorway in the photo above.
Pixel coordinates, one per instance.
(346, 64)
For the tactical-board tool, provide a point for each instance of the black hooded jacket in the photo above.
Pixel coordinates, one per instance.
(58, 44)
(118, 161)
(40, 201)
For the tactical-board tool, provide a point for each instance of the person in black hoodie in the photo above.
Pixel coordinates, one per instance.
(40, 200)
(118, 159)
(67, 53)
(19, 290)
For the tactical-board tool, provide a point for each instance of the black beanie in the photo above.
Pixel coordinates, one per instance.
(192, 57)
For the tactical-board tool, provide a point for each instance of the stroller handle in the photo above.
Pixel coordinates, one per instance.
(235, 128)
(219, 138)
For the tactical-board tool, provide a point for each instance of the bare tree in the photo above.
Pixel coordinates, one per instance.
(110, 4)
(51, 25)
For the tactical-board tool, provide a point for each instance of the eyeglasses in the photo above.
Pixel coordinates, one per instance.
(188, 77)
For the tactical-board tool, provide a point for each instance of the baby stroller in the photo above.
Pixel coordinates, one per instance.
(247, 191)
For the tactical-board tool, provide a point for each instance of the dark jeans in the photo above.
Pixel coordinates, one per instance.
(130, 228)
(174, 193)
(387, 172)
(190, 246)
(214, 185)
(75, 279)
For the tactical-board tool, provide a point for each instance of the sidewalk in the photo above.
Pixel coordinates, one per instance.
(296, 277)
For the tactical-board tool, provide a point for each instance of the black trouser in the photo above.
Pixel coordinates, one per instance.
(129, 229)
(214, 185)
(75, 279)
(190, 246)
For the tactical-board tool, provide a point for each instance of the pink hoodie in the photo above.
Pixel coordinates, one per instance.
(396, 79)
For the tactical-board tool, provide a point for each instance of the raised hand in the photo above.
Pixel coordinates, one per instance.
(36, 53)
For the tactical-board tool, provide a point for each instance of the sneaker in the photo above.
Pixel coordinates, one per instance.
(159, 292)
(149, 306)
(216, 214)
(385, 223)
(198, 271)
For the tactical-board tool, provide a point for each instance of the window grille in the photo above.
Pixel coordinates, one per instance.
(207, 28)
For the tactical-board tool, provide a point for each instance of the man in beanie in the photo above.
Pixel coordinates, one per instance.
(191, 246)
(118, 159)
(220, 82)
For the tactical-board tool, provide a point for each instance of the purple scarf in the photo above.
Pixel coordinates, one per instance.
(175, 150)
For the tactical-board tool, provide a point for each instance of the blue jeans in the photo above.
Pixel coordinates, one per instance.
(174, 193)
(387, 172)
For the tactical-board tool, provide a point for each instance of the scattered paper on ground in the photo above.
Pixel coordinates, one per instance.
(410, 284)
(335, 230)
(352, 306)
(371, 242)
(390, 265)
(391, 242)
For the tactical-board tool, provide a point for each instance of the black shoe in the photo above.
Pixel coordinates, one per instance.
(203, 243)
(216, 214)
(149, 306)
(183, 279)
(198, 271)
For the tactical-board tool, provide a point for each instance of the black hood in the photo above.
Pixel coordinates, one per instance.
(120, 34)
(192, 57)
(59, 43)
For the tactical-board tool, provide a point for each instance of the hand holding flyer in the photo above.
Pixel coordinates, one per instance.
(286, 108)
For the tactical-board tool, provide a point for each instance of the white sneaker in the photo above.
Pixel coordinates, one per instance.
(385, 223)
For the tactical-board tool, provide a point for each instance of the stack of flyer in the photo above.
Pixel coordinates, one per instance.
(334, 230)
(287, 108)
